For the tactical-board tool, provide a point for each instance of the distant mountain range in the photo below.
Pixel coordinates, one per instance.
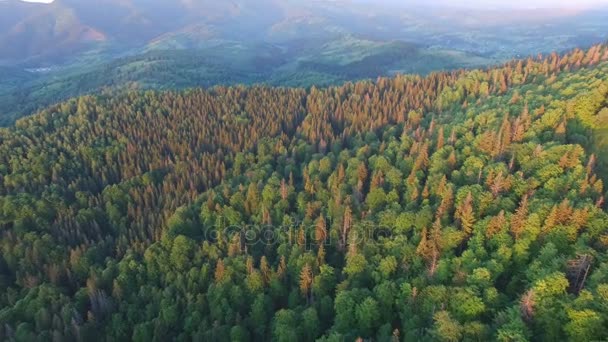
(58, 32)
(49, 52)
(53, 32)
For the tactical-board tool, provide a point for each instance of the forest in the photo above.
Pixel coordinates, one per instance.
(466, 205)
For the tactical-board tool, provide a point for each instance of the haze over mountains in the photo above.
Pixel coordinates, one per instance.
(50, 52)
(46, 33)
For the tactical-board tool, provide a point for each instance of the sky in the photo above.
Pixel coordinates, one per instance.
(493, 4)
(530, 3)
(482, 3)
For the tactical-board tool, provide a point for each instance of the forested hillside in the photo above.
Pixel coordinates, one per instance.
(466, 205)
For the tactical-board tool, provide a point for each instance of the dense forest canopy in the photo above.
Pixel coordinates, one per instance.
(464, 205)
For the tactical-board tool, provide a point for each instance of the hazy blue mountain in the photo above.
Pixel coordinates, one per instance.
(72, 47)
(61, 31)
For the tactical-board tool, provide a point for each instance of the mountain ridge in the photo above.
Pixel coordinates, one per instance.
(81, 26)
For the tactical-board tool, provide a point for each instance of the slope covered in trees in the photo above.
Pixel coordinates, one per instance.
(459, 206)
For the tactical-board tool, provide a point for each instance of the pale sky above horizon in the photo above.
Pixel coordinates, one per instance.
(480, 3)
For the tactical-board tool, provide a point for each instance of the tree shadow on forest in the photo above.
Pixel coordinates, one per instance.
(600, 145)
(600, 148)
(594, 140)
